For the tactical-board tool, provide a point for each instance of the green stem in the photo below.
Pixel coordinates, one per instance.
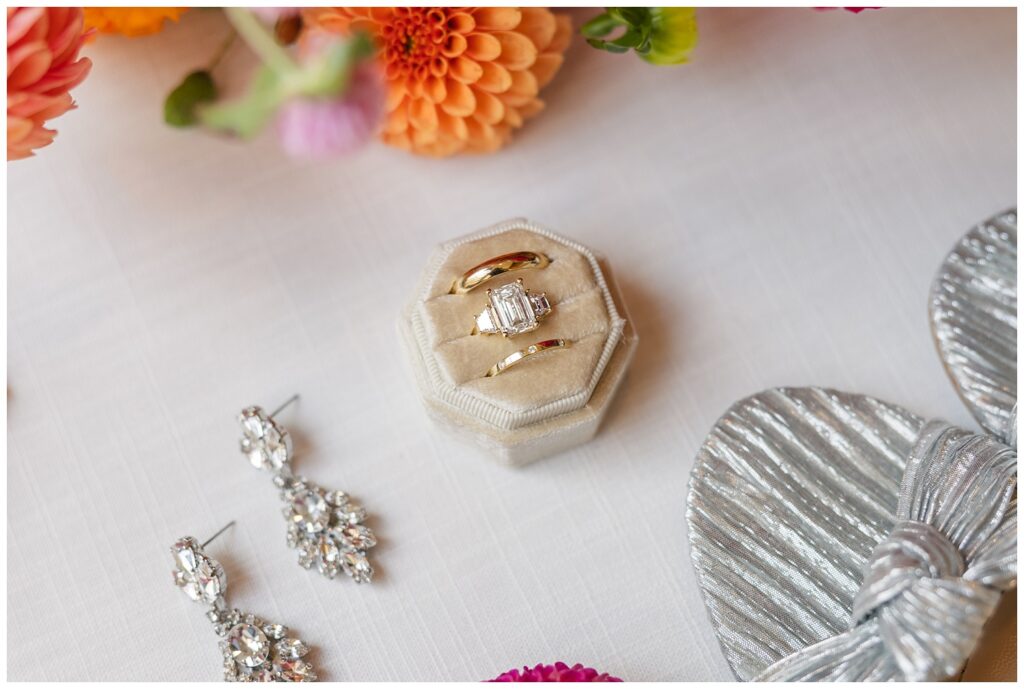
(260, 40)
(225, 46)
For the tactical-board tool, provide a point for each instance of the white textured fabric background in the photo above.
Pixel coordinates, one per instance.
(774, 212)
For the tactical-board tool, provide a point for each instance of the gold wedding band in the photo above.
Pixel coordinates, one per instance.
(499, 265)
(534, 349)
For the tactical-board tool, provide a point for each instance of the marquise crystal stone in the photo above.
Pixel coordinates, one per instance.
(351, 514)
(294, 670)
(266, 444)
(208, 577)
(200, 577)
(275, 631)
(512, 310)
(185, 555)
(337, 498)
(291, 648)
(307, 553)
(329, 550)
(355, 564)
(327, 530)
(358, 537)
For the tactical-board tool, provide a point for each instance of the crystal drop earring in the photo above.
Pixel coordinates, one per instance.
(254, 650)
(324, 526)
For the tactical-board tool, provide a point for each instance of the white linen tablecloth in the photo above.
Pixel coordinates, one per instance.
(774, 211)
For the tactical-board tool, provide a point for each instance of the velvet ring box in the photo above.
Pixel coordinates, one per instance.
(548, 403)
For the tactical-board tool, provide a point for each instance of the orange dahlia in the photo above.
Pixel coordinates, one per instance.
(459, 78)
(42, 67)
(130, 21)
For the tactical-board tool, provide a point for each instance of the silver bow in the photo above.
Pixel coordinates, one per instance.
(931, 585)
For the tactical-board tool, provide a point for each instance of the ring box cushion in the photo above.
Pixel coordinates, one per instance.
(516, 408)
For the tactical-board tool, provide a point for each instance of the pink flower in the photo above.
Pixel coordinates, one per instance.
(42, 67)
(559, 672)
(322, 128)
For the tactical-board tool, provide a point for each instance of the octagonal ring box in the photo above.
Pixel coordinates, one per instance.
(545, 404)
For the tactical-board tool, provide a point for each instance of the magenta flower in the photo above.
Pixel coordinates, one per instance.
(559, 672)
(318, 128)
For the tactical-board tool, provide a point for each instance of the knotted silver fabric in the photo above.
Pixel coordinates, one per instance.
(928, 587)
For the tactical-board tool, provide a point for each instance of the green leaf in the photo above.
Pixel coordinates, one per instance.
(182, 103)
(631, 39)
(605, 45)
(659, 35)
(601, 25)
(248, 115)
(638, 17)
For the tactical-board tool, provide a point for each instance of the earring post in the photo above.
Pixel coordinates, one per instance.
(222, 530)
(286, 403)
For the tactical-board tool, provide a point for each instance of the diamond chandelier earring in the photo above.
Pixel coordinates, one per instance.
(323, 525)
(254, 650)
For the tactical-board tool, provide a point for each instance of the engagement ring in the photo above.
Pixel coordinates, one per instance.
(511, 310)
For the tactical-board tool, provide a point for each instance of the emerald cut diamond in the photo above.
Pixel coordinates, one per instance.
(512, 310)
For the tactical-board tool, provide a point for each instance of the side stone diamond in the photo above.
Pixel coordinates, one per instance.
(485, 322)
(541, 305)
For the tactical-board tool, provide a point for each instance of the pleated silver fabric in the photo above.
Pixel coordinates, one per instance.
(973, 308)
(839, 537)
(790, 492)
(933, 582)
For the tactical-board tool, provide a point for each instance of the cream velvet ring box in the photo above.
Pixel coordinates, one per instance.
(548, 403)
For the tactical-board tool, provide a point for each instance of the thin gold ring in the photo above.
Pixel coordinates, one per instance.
(499, 265)
(534, 349)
